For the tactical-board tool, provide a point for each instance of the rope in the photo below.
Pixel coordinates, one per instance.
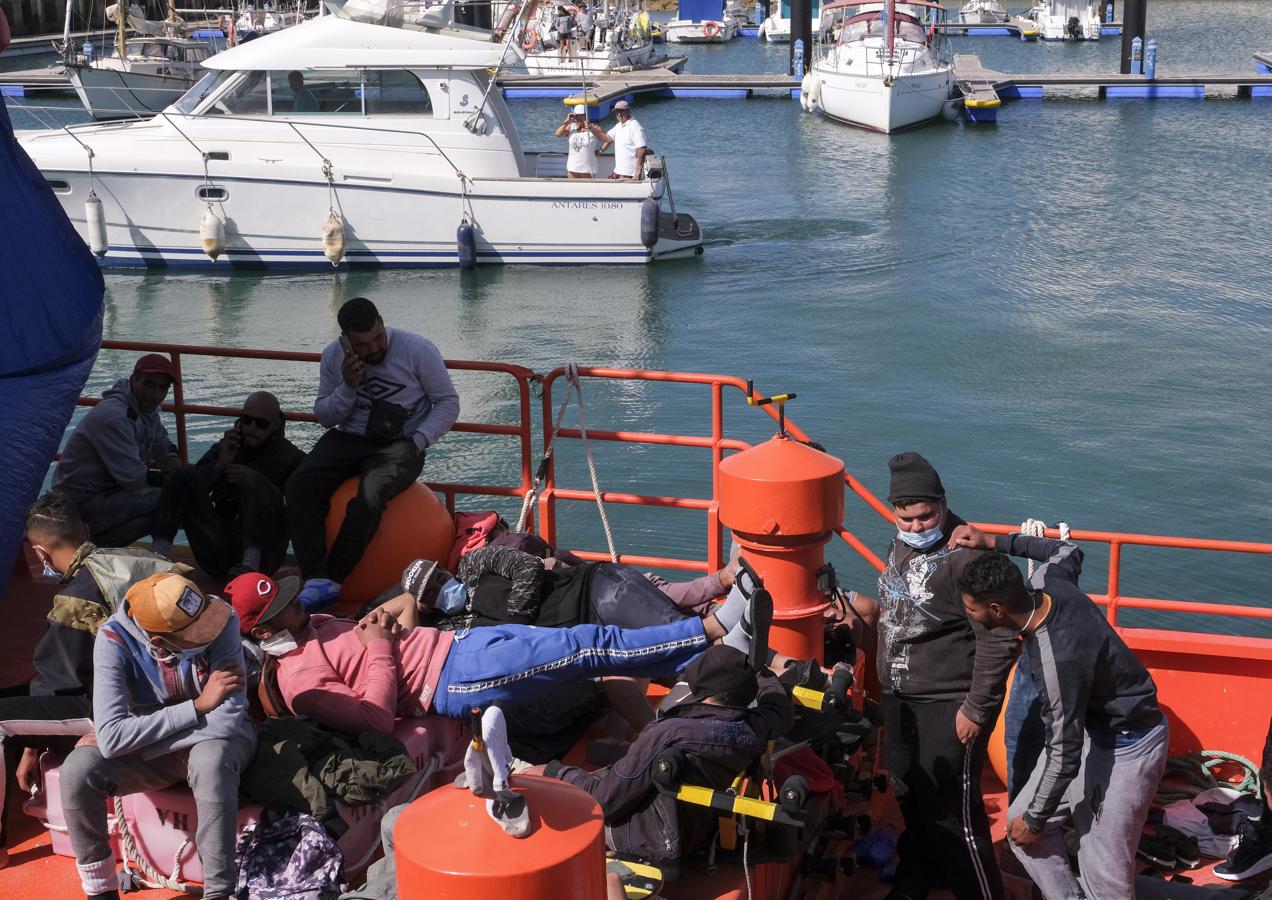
(1038, 528)
(1197, 773)
(537, 485)
(746, 866)
(148, 875)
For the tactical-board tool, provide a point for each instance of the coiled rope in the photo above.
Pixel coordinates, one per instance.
(1194, 773)
(1038, 528)
(145, 873)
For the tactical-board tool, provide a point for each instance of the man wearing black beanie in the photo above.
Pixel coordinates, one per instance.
(943, 680)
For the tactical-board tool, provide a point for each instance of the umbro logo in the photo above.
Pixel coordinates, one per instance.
(378, 388)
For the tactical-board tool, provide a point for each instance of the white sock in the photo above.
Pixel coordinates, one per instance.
(511, 811)
(738, 639)
(729, 613)
(494, 734)
(98, 877)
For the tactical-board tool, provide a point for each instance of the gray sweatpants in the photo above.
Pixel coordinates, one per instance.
(1108, 802)
(211, 768)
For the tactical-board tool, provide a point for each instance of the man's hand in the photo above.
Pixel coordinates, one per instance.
(967, 730)
(377, 626)
(234, 472)
(229, 446)
(971, 536)
(28, 773)
(352, 370)
(1021, 834)
(220, 684)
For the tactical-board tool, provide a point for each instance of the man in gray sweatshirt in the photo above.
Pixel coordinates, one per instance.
(387, 398)
(169, 705)
(118, 455)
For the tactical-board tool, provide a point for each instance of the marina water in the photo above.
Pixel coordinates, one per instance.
(1070, 313)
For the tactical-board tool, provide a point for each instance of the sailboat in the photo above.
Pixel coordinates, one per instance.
(620, 38)
(882, 68)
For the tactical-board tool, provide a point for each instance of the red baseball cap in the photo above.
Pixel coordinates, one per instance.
(258, 598)
(156, 364)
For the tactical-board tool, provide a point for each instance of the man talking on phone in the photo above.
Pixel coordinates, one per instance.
(386, 398)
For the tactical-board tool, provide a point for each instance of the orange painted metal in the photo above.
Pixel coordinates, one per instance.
(783, 501)
(448, 848)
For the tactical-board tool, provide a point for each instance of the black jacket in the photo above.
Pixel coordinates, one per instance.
(720, 742)
(928, 648)
(276, 459)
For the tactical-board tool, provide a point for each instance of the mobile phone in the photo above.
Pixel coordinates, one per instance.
(346, 345)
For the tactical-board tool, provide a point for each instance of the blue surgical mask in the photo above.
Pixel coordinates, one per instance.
(452, 599)
(921, 540)
(50, 572)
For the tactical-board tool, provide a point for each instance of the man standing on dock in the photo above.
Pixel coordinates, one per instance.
(1107, 740)
(943, 680)
(387, 398)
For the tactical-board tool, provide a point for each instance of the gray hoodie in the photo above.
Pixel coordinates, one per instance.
(143, 706)
(112, 447)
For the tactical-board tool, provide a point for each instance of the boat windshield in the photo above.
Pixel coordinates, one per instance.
(201, 88)
(872, 24)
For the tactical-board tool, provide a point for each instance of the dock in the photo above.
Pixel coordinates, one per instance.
(19, 82)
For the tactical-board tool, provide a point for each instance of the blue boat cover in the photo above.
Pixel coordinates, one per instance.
(700, 10)
(50, 330)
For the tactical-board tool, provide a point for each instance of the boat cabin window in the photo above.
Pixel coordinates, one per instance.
(868, 24)
(196, 95)
(155, 49)
(389, 92)
(395, 92)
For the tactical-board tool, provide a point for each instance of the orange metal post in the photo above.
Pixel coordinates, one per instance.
(783, 501)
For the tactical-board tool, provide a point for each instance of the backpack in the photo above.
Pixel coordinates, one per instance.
(472, 532)
(292, 858)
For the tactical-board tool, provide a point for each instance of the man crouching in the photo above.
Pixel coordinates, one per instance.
(169, 705)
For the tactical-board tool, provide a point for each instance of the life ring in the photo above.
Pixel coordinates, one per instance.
(711, 29)
(531, 40)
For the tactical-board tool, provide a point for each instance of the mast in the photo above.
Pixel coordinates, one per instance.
(121, 32)
(891, 26)
(66, 33)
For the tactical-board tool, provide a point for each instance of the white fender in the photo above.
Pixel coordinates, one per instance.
(814, 91)
(212, 234)
(333, 238)
(806, 92)
(95, 219)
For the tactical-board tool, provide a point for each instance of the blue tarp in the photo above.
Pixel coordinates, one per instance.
(700, 10)
(50, 330)
(814, 12)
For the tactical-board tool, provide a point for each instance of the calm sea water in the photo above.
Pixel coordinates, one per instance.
(1068, 314)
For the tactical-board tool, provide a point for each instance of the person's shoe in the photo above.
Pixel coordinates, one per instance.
(319, 594)
(1187, 851)
(1157, 851)
(1251, 855)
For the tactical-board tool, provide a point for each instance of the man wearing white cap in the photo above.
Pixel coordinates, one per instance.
(628, 138)
(169, 705)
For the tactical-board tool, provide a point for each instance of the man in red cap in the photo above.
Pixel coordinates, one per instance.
(116, 459)
(169, 706)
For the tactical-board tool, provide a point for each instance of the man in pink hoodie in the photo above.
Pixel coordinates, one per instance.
(359, 676)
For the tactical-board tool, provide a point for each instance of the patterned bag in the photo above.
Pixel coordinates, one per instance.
(292, 858)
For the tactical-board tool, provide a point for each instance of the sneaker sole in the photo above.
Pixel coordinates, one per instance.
(1261, 865)
(1156, 860)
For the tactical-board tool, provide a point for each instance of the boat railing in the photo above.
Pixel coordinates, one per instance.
(716, 441)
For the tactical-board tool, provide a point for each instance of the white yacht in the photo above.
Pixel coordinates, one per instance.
(881, 68)
(148, 76)
(704, 22)
(618, 40)
(776, 28)
(345, 142)
(983, 12)
(1067, 20)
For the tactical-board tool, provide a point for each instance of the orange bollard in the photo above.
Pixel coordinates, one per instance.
(782, 500)
(448, 848)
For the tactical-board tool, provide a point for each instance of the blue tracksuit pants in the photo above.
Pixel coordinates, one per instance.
(516, 662)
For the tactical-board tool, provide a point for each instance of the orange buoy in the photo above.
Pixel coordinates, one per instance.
(416, 524)
(448, 848)
(782, 500)
(996, 749)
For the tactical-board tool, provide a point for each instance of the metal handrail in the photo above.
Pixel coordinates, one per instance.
(718, 444)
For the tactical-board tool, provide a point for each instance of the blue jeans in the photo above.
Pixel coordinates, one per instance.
(1023, 732)
(516, 662)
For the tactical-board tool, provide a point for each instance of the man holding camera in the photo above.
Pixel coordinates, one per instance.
(386, 397)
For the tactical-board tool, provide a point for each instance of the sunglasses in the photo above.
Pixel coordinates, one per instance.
(262, 424)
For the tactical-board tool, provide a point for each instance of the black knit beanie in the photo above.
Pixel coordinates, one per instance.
(913, 478)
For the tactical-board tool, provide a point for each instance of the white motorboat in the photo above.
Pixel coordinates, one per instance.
(879, 67)
(151, 74)
(619, 39)
(345, 142)
(983, 12)
(704, 22)
(252, 23)
(776, 28)
(1067, 20)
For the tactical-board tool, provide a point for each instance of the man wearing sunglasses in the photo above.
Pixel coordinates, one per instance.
(230, 502)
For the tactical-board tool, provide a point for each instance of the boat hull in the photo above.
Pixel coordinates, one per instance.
(681, 32)
(114, 94)
(592, 62)
(867, 102)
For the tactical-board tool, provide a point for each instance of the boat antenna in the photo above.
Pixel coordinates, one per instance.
(474, 122)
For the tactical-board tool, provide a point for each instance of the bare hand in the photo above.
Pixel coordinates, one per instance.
(1021, 834)
(971, 536)
(352, 370)
(28, 773)
(230, 442)
(967, 730)
(220, 684)
(377, 626)
(234, 472)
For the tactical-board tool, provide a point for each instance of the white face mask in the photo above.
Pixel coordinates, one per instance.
(279, 643)
(169, 657)
(921, 540)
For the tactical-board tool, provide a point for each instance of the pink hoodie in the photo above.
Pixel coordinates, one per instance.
(336, 681)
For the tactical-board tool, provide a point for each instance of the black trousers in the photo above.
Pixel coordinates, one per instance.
(249, 514)
(386, 469)
(37, 721)
(937, 784)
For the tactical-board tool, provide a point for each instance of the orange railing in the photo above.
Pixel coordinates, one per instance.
(716, 441)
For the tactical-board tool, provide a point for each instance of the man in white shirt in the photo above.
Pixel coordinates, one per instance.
(628, 139)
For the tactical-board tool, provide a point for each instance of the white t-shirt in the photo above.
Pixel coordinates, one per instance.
(628, 137)
(582, 158)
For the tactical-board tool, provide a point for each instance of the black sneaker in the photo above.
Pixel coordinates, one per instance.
(1157, 851)
(1252, 855)
(1187, 852)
